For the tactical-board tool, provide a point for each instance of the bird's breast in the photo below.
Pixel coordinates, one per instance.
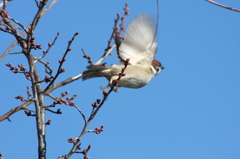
(136, 76)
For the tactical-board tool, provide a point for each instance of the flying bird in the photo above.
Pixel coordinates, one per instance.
(140, 46)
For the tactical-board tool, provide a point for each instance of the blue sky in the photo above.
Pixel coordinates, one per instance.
(191, 110)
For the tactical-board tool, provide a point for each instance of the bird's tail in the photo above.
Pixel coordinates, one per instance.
(94, 71)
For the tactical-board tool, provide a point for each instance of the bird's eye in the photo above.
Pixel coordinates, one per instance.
(158, 69)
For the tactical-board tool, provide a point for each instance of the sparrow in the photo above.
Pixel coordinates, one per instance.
(140, 46)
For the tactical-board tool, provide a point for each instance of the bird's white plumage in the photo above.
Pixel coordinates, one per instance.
(139, 43)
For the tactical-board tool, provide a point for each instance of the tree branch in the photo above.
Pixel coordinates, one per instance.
(221, 5)
(94, 113)
(14, 110)
(23, 33)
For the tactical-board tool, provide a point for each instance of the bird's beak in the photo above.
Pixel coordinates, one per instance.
(162, 67)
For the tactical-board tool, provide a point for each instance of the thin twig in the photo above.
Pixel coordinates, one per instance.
(51, 96)
(19, 52)
(37, 3)
(55, 112)
(14, 33)
(10, 47)
(79, 110)
(97, 63)
(62, 60)
(4, 4)
(84, 130)
(221, 5)
(126, 9)
(105, 55)
(17, 23)
(14, 110)
(46, 66)
(23, 33)
(49, 47)
(30, 110)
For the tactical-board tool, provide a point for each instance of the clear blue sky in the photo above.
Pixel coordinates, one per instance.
(191, 110)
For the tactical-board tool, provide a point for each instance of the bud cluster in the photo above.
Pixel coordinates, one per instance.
(67, 101)
(34, 46)
(48, 79)
(96, 103)
(48, 122)
(15, 69)
(99, 130)
(28, 113)
(21, 98)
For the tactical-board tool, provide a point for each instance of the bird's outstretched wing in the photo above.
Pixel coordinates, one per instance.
(139, 43)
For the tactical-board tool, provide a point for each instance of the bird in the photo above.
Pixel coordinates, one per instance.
(140, 46)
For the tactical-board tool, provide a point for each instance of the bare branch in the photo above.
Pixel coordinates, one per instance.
(46, 51)
(4, 4)
(221, 5)
(23, 33)
(79, 110)
(19, 52)
(17, 23)
(106, 94)
(47, 67)
(55, 112)
(87, 57)
(36, 3)
(71, 79)
(14, 110)
(10, 47)
(61, 61)
(105, 54)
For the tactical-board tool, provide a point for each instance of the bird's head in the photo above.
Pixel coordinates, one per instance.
(157, 66)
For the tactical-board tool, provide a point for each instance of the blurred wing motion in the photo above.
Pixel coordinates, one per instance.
(139, 43)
